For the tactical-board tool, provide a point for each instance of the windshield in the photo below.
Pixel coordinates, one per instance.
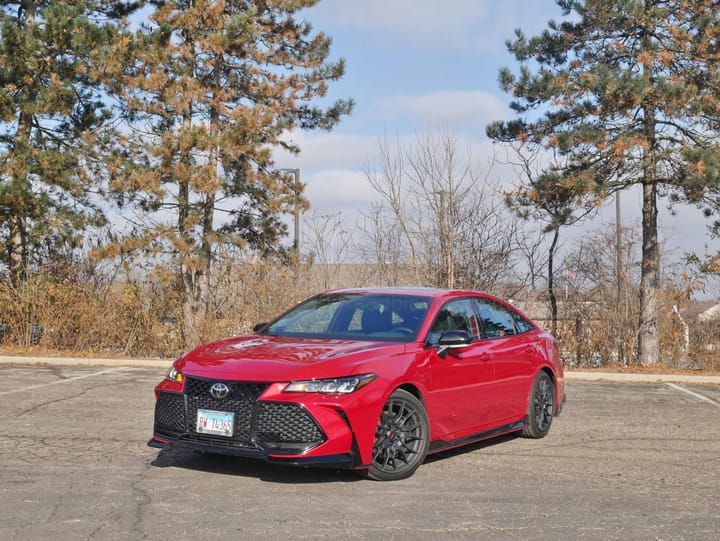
(354, 316)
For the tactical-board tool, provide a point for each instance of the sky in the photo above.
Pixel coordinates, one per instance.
(414, 65)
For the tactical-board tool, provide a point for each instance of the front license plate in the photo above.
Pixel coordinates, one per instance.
(220, 423)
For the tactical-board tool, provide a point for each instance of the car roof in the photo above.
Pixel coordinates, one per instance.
(432, 292)
(407, 290)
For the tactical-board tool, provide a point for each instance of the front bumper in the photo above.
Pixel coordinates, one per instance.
(342, 461)
(268, 425)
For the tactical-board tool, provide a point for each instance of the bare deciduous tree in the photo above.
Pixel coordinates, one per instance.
(437, 214)
(328, 244)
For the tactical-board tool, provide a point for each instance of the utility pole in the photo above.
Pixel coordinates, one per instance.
(296, 212)
(619, 338)
(618, 247)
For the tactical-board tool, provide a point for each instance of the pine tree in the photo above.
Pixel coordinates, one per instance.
(627, 90)
(211, 88)
(53, 60)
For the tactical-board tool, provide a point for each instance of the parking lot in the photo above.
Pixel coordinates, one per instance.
(624, 461)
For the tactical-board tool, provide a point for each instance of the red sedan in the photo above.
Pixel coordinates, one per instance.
(367, 379)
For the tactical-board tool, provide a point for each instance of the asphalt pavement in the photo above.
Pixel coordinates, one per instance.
(623, 462)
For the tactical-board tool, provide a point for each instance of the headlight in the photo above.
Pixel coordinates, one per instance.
(346, 385)
(174, 375)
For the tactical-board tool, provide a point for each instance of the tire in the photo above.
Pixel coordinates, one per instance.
(401, 440)
(541, 404)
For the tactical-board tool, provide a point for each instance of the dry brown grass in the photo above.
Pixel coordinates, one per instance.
(80, 313)
(74, 314)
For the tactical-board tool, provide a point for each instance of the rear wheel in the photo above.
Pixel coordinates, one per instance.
(402, 438)
(540, 407)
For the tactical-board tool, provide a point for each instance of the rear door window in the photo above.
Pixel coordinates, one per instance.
(495, 320)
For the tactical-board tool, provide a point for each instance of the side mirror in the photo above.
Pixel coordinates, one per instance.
(453, 339)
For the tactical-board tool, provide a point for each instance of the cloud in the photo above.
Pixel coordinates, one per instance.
(335, 160)
(410, 17)
(465, 111)
(338, 190)
(434, 24)
(332, 150)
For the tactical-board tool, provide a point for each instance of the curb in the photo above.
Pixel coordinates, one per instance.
(641, 378)
(80, 361)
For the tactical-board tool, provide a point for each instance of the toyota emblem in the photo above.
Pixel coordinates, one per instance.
(219, 390)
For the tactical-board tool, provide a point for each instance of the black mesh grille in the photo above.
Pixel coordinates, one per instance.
(248, 392)
(258, 424)
(280, 422)
(241, 400)
(170, 413)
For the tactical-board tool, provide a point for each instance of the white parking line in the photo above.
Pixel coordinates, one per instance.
(68, 380)
(694, 394)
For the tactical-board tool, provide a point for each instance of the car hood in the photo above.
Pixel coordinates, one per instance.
(277, 358)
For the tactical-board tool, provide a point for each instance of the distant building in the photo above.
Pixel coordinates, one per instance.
(711, 314)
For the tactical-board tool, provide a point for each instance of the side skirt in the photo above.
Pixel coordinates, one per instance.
(442, 445)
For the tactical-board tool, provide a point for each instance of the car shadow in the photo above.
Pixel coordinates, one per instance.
(459, 451)
(178, 457)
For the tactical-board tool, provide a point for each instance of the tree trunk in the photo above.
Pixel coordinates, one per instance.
(195, 288)
(17, 240)
(18, 221)
(648, 332)
(18, 248)
(193, 275)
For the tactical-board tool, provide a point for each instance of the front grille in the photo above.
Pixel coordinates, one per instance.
(258, 424)
(241, 401)
(170, 414)
(238, 390)
(280, 422)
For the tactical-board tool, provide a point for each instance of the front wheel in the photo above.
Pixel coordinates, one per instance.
(540, 407)
(402, 438)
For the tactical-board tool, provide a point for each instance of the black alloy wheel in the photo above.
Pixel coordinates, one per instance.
(540, 407)
(402, 438)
